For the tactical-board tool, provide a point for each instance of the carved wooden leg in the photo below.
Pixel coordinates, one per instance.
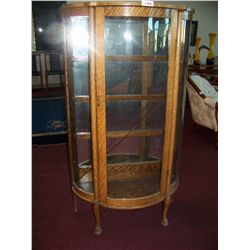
(98, 229)
(75, 203)
(165, 205)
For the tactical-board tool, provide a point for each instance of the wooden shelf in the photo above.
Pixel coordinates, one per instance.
(125, 58)
(133, 188)
(137, 58)
(203, 69)
(114, 98)
(128, 188)
(128, 176)
(80, 59)
(123, 133)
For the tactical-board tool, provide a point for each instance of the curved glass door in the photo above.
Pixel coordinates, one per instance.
(181, 96)
(78, 61)
(136, 67)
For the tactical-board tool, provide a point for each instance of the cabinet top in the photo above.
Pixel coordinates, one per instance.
(129, 4)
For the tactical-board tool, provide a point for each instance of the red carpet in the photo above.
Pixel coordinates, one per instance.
(192, 216)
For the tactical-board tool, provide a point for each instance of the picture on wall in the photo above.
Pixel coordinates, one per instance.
(194, 28)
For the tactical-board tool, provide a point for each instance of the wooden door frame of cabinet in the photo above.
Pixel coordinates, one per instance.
(172, 100)
(171, 107)
(101, 103)
(70, 107)
(93, 108)
(81, 8)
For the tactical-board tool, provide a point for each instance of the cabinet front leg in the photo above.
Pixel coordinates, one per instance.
(75, 203)
(96, 209)
(165, 205)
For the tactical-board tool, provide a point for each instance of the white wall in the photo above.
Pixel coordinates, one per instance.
(206, 13)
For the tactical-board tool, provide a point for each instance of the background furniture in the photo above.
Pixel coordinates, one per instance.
(37, 67)
(48, 120)
(48, 107)
(125, 66)
(203, 69)
(203, 99)
(54, 66)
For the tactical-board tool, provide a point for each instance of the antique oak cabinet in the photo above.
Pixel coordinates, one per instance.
(125, 69)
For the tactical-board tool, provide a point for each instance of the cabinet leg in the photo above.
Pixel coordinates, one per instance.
(75, 203)
(165, 205)
(98, 229)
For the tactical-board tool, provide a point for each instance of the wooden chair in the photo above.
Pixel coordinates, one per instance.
(203, 99)
(54, 67)
(37, 67)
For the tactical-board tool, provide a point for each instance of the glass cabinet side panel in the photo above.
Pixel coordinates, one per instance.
(78, 51)
(78, 39)
(82, 116)
(80, 76)
(181, 96)
(84, 162)
(78, 35)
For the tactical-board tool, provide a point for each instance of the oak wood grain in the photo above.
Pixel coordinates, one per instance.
(113, 98)
(169, 98)
(122, 133)
(93, 111)
(120, 3)
(176, 82)
(101, 101)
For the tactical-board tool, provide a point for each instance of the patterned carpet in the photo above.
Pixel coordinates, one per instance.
(192, 216)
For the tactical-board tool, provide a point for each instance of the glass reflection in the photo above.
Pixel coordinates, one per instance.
(129, 115)
(82, 117)
(130, 36)
(80, 72)
(127, 77)
(79, 37)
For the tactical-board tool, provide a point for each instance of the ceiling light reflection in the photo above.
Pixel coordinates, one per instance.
(79, 37)
(127, 36)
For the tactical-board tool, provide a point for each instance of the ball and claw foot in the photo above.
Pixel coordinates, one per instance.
(98, 231)
(165, 203)
(164, 222)
(98, 228)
